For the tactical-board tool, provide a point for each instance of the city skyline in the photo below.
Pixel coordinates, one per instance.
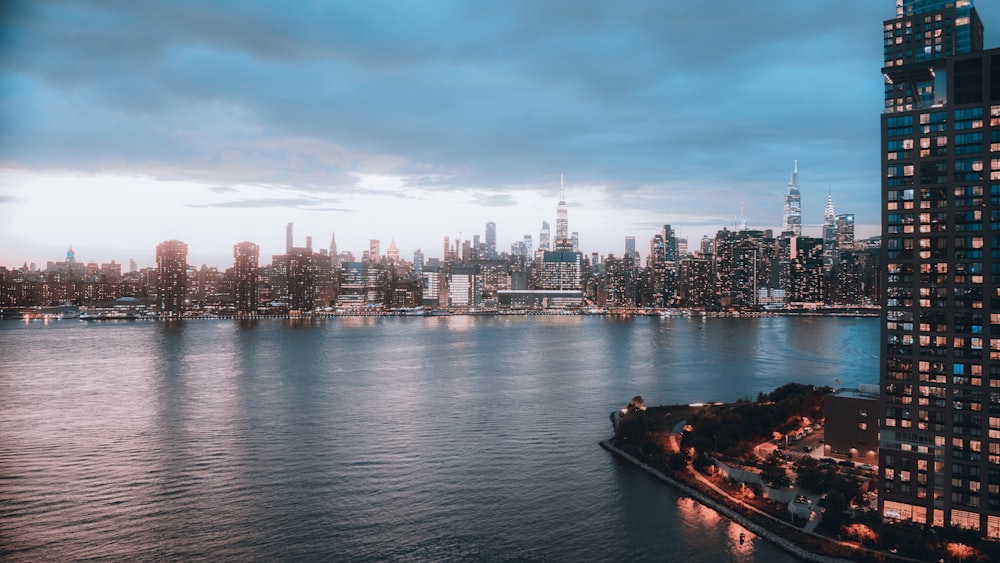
(375, 124)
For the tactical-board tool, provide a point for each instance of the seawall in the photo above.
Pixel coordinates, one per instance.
(724, 510)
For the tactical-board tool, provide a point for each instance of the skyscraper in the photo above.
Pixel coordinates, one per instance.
(245, 268)
(543, 237)
(845, 231)
(171, 277)
(289, 241)
(793, 204)
(939, 444)
(630, 247)
(831, 249)
(491, 239)
(562, 217)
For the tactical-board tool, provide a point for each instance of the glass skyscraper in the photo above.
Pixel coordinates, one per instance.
(939, 445)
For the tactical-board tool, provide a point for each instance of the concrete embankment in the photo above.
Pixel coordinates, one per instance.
(725, 510)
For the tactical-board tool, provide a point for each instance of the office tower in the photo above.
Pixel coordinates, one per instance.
(574, 238)
(682, 247)
(447, 256)
(939, 444)
(657, 249)
(845, 231)
(245, 269)
(793, 204)
(171, 276)
(309, 243)
(132, 267)
(562, 215)
(831, 251)
(630, 247)
(543, 237)
(528, 248)
(669, 244)
(374, 251)
(289, 241)
(418, 261)
(491, 239)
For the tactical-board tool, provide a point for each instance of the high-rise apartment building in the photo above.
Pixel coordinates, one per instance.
(171, 276)
(939, 445)
(245, 269)
(793, 204)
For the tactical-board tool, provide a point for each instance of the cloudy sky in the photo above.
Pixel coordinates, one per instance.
(125, 124)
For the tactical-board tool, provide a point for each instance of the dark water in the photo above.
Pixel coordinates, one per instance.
(357, 439)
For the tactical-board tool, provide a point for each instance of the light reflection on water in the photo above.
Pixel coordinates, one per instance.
(444, 438)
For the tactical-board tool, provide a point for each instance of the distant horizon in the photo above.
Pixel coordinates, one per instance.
(300, 242)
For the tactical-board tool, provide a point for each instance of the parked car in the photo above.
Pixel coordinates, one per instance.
(845, 463)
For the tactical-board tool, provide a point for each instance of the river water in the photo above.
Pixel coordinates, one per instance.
(376, 438)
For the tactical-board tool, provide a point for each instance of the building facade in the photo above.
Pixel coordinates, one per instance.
(171, 275)
(939, 451)
(245, 270)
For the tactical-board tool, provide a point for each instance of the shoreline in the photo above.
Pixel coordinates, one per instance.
(726, 511)
(723, 507)
(31, 313)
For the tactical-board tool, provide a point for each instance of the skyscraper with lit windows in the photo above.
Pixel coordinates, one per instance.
(171, 277)
(939, 445)
(793, 204)
(245, 269)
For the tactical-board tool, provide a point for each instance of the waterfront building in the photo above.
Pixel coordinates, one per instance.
(301, 279)
(351, 293)
(172, 278)
(376, 285)
(619, 282)
(851, 426)
(464, 286)
(696, 284)
(939, 450)
(793, 204)
(431, 285)
(561, 270)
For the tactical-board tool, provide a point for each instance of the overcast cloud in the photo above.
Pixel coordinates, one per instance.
(668, 111)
